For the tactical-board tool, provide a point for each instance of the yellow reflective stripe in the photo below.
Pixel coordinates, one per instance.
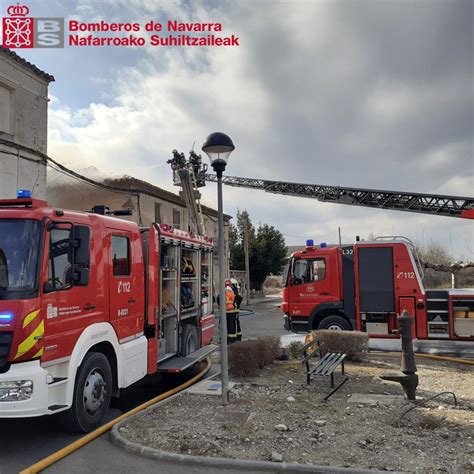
(30, 317)
(30, 341)
(39, 353)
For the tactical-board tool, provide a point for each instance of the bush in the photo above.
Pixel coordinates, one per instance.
(247, 357)
(295, 349)
(242, 359)
(353, 343)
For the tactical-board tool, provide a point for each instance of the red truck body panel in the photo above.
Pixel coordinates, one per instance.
(49, 325)
(365, 287)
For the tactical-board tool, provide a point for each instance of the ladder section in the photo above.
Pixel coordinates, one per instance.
(451, 206)
(186, 175)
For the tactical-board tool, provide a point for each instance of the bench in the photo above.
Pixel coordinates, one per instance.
(326, 365)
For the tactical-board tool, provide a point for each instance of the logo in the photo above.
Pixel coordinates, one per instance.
(22, 31)
(51, 311)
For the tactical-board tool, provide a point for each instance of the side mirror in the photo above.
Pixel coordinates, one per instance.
(48, 287)
(81, 239)
(80, 276)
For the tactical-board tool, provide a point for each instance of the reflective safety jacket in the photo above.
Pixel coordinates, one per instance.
(230, 301)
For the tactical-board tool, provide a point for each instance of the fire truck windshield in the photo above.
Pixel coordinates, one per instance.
(19, 250)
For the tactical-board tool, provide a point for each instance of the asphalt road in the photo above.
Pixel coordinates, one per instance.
(24, 442)
(266, 320)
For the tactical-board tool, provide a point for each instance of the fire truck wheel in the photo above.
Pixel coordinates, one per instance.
(190, 340)
(335, 323)
(91, 394)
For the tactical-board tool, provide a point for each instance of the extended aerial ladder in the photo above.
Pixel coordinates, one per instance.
(189, 176)
(435, 204)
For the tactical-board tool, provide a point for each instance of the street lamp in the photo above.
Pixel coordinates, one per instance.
(218, 146)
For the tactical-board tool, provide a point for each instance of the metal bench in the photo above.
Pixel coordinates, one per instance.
(325, 366)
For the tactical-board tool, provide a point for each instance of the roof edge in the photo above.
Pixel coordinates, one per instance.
(27, 65)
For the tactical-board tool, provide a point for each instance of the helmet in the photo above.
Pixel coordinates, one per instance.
(228, 282)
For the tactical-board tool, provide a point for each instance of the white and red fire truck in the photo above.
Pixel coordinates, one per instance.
(365, 287)
(90, 304)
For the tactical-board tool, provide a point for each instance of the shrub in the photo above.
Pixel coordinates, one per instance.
(353, 343)
(247, 357)
(295, 348)
(243, 360)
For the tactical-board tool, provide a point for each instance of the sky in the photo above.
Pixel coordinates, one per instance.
(375, 94)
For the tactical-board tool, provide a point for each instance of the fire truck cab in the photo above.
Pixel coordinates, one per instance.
(90, 304)
(365, 287)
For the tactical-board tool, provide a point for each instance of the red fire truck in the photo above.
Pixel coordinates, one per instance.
(90, 304)
(365, 287)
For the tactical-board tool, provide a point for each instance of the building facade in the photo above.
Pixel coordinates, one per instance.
(23, 126)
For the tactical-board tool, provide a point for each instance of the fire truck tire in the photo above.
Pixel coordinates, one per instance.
(190, 340)
(335, 323)
(92, 394)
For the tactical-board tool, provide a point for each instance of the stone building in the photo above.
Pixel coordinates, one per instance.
(23, 125)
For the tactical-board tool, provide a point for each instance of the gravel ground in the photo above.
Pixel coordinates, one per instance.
(263, 423)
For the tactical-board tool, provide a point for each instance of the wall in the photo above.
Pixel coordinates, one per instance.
(24, 117)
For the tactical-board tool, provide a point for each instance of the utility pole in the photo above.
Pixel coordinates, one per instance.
(339, 231)
(246, 252)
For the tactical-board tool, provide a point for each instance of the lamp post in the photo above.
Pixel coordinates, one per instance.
(218, 146)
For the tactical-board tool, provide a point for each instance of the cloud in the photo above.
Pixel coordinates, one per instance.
(366, 94)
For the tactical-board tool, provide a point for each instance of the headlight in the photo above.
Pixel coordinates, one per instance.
(16, 390)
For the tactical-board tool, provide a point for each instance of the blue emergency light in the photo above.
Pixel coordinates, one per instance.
(23, 193)
(310, 243)
(6, 317)
(323, 245)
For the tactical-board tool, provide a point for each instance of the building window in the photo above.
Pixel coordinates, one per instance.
(120, 255)
(176, 219)
(5, 109)
(158, 213)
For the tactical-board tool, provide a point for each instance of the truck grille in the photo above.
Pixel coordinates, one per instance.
(5, 343)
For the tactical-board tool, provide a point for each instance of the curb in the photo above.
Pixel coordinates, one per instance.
(203, 462)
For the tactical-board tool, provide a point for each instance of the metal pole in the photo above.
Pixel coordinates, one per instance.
(222, 308)
(246, 250)
(340, 241)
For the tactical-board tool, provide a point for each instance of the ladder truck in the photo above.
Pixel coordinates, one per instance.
(90, 304)
(365, 286)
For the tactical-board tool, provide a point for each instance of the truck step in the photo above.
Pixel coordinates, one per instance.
(178, 364)
(56, 407)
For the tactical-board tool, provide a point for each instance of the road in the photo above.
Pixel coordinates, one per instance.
(265, 320)
(24, 442)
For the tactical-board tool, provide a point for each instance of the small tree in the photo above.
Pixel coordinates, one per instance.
(269, 255)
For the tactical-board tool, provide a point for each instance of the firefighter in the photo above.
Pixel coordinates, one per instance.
(238, 302)
(231, 312)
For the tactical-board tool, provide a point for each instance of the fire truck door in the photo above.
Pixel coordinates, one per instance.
(310, 285)
(126, 287)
